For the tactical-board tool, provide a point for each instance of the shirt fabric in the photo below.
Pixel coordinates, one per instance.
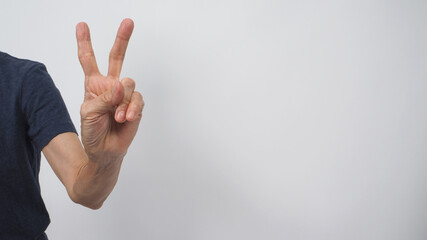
(32, 112)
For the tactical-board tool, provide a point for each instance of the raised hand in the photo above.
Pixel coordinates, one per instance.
(112, 109)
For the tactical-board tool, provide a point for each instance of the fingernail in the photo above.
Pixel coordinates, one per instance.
(131, 115)
(121, 115)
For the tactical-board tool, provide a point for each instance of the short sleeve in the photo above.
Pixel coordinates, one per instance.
(44, 109)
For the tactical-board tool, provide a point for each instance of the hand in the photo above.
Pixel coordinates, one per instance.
(112, 110)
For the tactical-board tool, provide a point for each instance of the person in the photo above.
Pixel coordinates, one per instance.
(34, 119)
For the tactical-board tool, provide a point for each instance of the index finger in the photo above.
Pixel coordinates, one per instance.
(85, 50)
(118, 51)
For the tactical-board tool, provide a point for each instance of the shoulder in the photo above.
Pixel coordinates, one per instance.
(19, 74)
(17, 68)
(12, 61)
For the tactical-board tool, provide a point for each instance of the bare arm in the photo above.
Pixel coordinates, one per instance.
(110, 116)
(87, 182)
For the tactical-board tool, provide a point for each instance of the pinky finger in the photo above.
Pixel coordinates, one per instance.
(135, 106)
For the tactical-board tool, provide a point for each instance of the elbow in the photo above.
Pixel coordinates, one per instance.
(92, 204)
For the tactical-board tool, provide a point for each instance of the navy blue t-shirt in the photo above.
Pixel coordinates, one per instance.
(32, 113)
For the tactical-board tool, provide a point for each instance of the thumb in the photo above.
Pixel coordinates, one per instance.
(109, 99)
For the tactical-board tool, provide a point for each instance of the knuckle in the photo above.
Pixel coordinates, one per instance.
(116, 56)
(138, 95)
(106, 98)
(122, 106)
(139, 99)
(128, 83)
(84, 111)
(85, 55)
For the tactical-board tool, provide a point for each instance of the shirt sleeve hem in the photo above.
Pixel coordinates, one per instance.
(44, 137)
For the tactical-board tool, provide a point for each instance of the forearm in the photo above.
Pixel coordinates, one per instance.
(96, 179)
(88, 179)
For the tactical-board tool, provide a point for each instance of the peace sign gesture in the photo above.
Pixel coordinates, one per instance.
(112, 109)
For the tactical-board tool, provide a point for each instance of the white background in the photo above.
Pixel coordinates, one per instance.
(263, 120)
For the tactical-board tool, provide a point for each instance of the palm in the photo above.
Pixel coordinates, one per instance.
(103, 128)
(97, 85)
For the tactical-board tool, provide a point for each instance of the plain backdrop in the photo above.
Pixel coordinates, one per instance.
(264, 119)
